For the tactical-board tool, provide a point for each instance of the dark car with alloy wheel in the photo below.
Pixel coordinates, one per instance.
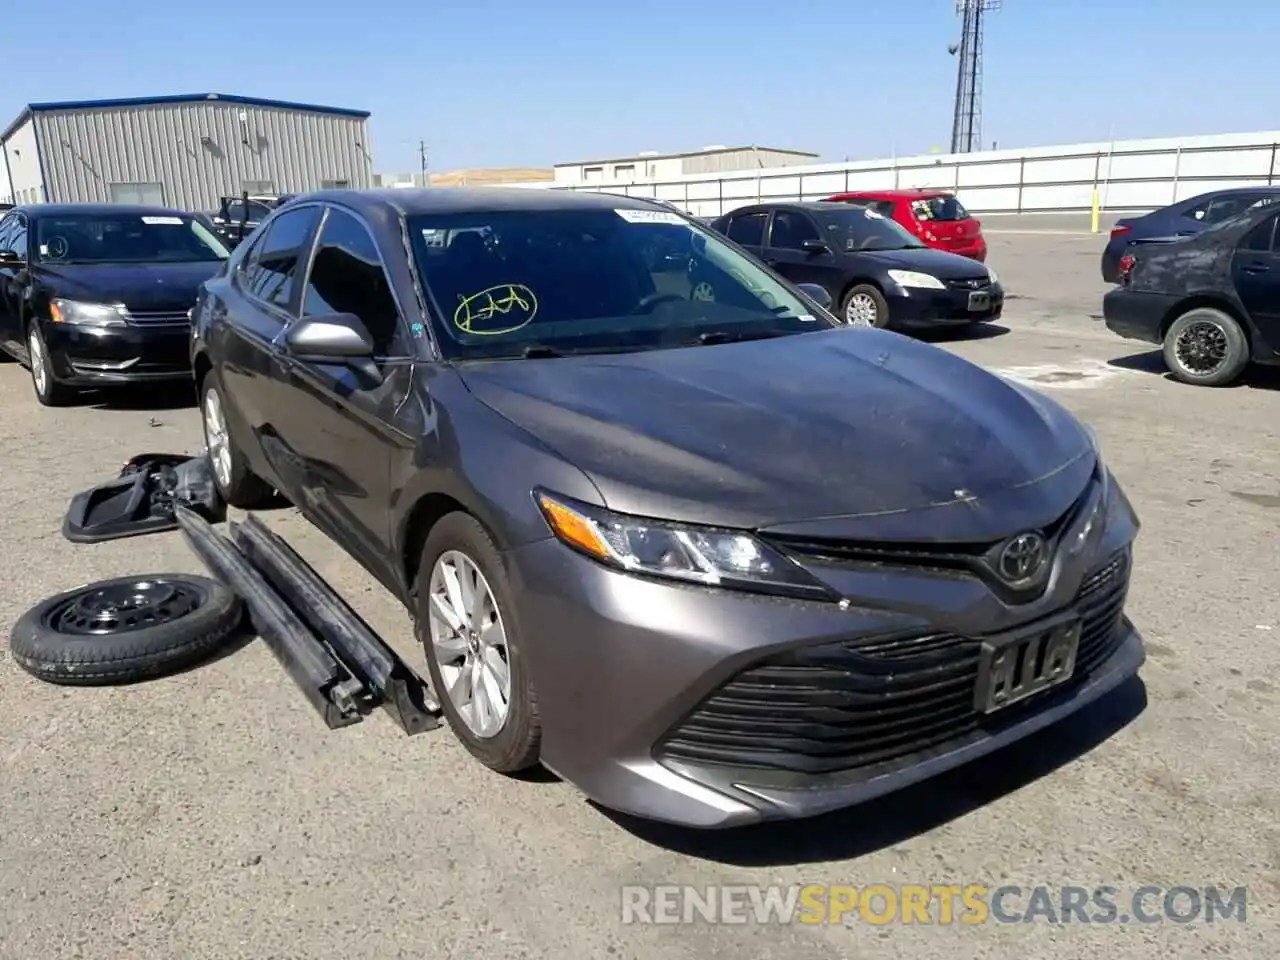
(99, 295)
(1211, 301)
(875, 271)
(712, 561)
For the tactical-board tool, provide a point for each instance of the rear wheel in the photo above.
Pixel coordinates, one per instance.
(237, 484)
(1206, 347)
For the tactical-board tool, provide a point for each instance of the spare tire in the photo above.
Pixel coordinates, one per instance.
(125, 629)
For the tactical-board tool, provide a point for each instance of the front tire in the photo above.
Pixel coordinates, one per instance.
(864, 306)
(1206, 347)
(465, 618)
(237, 484)
(49, 392)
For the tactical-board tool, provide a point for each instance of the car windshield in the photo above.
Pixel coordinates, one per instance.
(517, 283)
(850, 228)
(939, 208)
(126, 238)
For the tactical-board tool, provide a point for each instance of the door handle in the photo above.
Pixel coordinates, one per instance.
(1255, 268)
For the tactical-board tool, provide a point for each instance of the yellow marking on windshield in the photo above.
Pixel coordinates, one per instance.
(513, 300)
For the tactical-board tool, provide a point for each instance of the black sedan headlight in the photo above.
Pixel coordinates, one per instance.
(712, 557)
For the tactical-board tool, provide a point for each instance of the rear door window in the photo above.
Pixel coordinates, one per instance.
(748, 229)
(943, 209)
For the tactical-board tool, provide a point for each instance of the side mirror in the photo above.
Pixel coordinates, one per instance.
(335, 338)
(332, 337)
(814, 246)
(817, 293)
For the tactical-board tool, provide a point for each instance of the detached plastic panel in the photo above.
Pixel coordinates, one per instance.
(142, 499)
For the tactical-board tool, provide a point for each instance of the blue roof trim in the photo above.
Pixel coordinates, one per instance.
(32, 108)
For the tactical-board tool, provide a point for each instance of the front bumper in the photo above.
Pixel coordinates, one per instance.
(954, 306)
(623, 664)
(104, 356)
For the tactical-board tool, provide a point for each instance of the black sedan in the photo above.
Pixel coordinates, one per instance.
(99, 295)
(877, 273)
(712, 561)
(1212, 301)
(1180, 220)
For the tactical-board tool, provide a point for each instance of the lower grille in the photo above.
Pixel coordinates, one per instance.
(159, 317)
(845, 706)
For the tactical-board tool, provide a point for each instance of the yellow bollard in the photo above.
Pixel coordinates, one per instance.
(1096, 211)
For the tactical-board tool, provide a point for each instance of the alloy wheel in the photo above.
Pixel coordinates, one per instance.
(861, 311)
(216, 439)
(39, 362)
(1201, 348)
(469, 641)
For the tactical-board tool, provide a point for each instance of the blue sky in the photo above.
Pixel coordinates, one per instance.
(508, 83)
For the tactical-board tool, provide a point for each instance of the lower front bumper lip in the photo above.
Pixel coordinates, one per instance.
(744, 804)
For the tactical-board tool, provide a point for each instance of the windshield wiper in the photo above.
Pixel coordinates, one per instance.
(724, 336)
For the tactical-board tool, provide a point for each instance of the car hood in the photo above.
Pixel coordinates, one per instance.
(153, 288)
(939, 263)
(853, 432)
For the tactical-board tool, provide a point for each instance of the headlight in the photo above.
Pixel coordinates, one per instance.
(720, 558)
(915, 280)
(995, 277)
(81, 314)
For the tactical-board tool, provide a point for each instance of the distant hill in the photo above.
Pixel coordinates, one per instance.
(458, 178)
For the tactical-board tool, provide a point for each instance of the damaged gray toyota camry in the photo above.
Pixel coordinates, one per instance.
(665, 526)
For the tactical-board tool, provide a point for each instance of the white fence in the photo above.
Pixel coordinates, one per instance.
(1125, 175)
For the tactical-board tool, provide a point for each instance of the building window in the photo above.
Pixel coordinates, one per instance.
(147, 194)
(625, 171)
(592, 173)
(334, 184)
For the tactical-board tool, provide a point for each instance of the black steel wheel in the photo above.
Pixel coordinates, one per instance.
(1206, 347)
(125, 629)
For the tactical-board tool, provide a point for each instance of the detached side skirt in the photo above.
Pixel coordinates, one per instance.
(341, 665)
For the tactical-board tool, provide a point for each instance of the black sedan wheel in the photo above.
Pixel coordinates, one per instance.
(865, 306)
(48, 391)
(1206, 347)
(126, 629)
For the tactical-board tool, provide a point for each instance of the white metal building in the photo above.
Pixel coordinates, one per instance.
(651, 165)
(182, 151)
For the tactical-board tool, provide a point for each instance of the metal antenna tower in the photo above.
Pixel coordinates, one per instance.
(966, 125)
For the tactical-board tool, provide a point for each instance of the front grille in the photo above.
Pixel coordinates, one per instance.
(972, 283)
(159, 317)
(844, 706)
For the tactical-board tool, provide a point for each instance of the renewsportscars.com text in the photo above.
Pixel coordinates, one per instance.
(933, 904)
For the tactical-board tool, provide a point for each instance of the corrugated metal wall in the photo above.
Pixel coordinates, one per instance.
(22, 158)
(725, 161)
(198, 152)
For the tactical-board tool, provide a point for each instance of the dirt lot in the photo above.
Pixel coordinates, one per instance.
(212, 815)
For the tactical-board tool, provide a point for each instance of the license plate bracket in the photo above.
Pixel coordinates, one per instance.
(979, 300)
(1020, 664)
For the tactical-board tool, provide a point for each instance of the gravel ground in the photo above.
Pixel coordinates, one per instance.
(212, 815)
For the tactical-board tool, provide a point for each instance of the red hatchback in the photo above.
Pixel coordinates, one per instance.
(935, 216)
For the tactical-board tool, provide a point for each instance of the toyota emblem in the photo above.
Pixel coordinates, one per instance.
(1022, 557)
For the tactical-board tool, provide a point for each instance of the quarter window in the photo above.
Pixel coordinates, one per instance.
(348, 276)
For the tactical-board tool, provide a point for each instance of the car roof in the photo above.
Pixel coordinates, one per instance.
(812, 206)
(446, 200)
(37, 210)
(913, 193)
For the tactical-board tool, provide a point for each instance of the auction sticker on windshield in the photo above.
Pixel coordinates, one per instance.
(175, 221)
(651, 216)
